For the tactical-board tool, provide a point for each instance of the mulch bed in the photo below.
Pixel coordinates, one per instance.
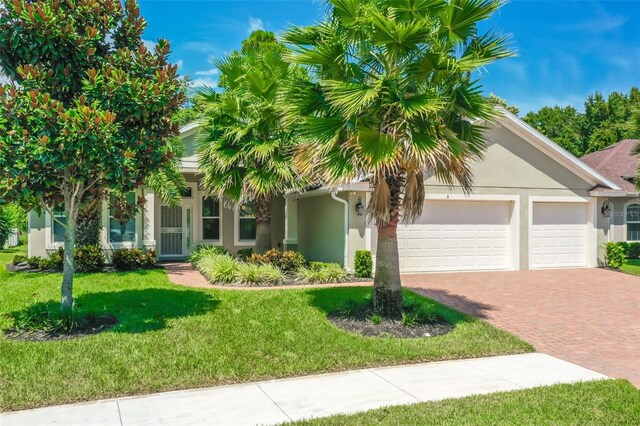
(291, 280)
(360, 323)
(94, 325)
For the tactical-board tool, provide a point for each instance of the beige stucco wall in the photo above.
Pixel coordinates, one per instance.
(614, 227)
(513, 167)
(321, 228)
(37, 235)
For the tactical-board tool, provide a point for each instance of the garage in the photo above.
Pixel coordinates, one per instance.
(558, 235)
(458, 236)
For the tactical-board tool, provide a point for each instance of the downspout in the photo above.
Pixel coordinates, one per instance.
(333, 194)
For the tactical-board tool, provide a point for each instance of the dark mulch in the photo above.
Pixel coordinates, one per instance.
(359, 322)
(93, 324)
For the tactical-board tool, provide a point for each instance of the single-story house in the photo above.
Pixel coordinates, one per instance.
(620, 209)
(534, 205)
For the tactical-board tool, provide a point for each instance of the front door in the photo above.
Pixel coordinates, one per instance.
(171, 231)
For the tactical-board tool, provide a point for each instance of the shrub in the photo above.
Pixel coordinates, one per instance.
(130, 259)
(287, 261)
(244, 254)
(218, 268)
(89, 258)
(316, 266)
(328, 273)
(49, 318)
(633, 250)
(615, 255)
(34, 262)
(54, 262)
(256, 273)
(203, 250)
(19, 258)
(363, 264)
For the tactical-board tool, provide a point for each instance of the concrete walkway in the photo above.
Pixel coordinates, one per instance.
(283, 400)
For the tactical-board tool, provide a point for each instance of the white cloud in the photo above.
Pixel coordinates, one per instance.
(198, 46)
(150, 45)
(601, 24)
(212, 71)
(180, 63)
(200, 82)
(255, 24)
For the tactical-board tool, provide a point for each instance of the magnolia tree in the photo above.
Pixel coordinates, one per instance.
(90, 111)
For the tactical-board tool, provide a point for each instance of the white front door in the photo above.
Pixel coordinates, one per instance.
(457, 236)
(559, 235)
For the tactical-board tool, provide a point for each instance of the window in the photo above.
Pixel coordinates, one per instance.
(210, 219)
(121, 231)
(633, 222)
(57, 225)
(246, 222)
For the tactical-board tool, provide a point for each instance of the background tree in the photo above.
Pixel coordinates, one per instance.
(392, 98)
(247, 154)
(498, 101)
(91, 112)
(604, 122)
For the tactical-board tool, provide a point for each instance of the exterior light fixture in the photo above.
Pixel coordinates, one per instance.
(359, 207)
(606, 209)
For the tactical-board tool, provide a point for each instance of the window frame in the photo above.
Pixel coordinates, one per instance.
(203, 217)
(53, 228)
(236, 232)
(132, 243)
(627, 222)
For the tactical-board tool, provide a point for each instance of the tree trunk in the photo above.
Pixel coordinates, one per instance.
(68, 265)
(387, 287)
(263, 224)
(88, 224)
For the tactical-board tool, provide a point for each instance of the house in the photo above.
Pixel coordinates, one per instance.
(534, 205)
(620, 209)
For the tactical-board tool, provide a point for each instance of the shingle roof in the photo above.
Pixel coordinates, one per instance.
(616, 162)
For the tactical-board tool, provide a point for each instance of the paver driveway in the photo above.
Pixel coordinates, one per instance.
(590, 317)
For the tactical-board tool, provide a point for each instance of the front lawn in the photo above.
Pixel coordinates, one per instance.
(172, 337)
(606, 402)
(631, 266)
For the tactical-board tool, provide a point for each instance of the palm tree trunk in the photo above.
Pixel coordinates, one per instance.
(88, 224)
(387, 287)
(263, 225)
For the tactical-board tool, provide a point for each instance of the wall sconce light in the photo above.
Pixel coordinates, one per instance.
(606, 209)
(359, 207)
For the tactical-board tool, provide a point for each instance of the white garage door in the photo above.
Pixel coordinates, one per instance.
(558, 235)
(457, 236)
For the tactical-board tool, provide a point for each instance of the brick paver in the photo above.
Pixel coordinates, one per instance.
(590, 317)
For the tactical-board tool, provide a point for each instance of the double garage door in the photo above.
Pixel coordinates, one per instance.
(478, 235)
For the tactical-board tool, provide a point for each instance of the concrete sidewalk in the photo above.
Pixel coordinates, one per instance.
(283, 400)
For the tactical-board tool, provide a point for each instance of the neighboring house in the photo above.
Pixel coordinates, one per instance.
(620, 209)
(534, 205)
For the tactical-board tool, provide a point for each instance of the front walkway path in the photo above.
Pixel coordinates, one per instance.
(279, 401)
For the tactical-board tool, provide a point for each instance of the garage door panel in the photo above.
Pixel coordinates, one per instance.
(559, 235)
(458, 235)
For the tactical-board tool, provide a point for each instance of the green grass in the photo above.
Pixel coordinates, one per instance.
(631, 266)
(172, 337)
(606, 402)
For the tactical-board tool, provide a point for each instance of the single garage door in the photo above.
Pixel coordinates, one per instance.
(558, 235)
(457, 236)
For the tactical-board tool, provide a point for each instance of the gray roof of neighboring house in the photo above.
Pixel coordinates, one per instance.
(617, 162)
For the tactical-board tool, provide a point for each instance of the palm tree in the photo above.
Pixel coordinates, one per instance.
(392, 98)
(246, 155)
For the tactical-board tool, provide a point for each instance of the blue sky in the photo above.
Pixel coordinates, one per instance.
(566, 49)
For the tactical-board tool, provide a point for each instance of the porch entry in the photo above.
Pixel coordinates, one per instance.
(175, 230)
